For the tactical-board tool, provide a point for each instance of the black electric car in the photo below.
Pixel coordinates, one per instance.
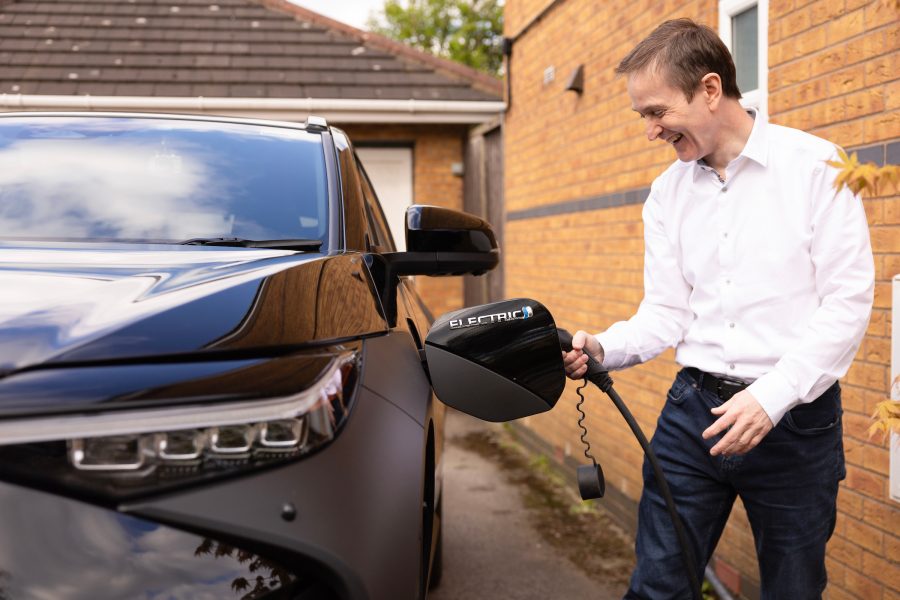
(211, 363)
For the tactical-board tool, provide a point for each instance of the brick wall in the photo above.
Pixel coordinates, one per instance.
(577, 171)
(435, 149)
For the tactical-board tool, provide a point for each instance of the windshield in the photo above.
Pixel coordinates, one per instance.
(159, 180)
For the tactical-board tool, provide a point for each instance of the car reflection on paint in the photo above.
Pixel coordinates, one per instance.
(211, 379)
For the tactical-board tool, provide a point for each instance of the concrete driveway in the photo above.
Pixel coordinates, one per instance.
(491, 547)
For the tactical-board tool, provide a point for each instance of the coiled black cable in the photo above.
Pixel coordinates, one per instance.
(584, 431)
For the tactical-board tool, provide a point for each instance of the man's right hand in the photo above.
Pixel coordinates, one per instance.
(583, 345)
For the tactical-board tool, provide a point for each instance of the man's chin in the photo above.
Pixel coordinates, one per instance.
(687, 155)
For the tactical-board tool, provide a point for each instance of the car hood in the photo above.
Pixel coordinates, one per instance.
(61, 303)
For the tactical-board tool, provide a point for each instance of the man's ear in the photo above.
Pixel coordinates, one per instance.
(711, 88)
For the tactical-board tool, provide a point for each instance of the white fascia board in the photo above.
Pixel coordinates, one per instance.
(282, 109)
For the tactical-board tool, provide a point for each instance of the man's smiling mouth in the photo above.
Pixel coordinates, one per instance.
(675, 138)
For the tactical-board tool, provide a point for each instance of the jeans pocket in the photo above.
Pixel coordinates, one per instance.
(817, 417)
(678, 390)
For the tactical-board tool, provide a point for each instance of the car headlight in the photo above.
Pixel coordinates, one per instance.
(119, 454)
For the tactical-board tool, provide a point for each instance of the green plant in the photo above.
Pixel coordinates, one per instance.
(467, 31)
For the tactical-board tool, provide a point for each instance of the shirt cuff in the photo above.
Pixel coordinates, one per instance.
(613, 355)
(775, 394)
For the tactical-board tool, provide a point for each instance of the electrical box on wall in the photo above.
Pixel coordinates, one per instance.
(895, 388)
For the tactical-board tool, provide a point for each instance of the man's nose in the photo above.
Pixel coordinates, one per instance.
(653, 130)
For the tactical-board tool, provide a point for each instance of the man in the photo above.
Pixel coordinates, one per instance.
(761, 276)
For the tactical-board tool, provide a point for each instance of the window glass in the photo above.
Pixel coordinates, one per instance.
(745, 48)
(159, 180)
(376, 215)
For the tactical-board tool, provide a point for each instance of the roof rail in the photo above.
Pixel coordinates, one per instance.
(314, 123)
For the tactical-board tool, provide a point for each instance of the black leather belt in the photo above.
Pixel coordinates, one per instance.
(723, 387)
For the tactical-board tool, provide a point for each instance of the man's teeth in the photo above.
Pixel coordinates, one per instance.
(675, 138)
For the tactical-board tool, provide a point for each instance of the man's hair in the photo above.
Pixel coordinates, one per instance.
(684, 52)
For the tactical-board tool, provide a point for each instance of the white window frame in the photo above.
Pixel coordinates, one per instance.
(728, 9)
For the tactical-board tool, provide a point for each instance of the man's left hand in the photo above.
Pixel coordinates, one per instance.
(746, 421)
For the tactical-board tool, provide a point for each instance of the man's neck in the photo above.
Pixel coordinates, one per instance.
(736, 125)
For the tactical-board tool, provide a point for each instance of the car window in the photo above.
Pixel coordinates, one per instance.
(374, 212)
(158, 180)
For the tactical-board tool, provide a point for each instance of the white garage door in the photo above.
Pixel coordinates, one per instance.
(391, 172)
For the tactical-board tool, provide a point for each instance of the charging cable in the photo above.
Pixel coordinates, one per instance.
(590, 476)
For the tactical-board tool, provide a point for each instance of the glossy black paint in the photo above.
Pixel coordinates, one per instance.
(196, 307)
(68, 549)
(502, 339)
(99, 326)
(437, 229)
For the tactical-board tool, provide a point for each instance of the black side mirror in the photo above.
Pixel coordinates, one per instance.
(440, 241)
(497, 362)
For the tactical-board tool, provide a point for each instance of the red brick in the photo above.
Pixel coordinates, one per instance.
(795, 22)
(778, 8)
(846, 26)
(883, 571)
(861, 585)
(884, 515)
(878, 350)
(882, 126)
(863, 535)
(881, 69)
(880, 13)
(728, 575)
(841, 550)
(847, 80)
(822, 11)
(892, 217)
(866, 483)
(836, 592)
(850, 502)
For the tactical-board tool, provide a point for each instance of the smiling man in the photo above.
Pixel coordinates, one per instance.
(761, 276)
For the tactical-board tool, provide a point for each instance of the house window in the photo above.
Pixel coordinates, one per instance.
(744, 27)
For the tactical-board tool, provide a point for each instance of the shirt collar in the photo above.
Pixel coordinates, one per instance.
(755, 149)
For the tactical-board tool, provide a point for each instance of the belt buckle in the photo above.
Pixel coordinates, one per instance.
(735, 384)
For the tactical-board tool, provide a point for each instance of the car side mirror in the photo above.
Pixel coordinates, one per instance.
(497, 362)
(441, 241)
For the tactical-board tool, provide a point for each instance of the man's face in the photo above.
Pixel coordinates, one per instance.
(687, 125)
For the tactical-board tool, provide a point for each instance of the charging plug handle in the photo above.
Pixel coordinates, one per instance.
(596, 374)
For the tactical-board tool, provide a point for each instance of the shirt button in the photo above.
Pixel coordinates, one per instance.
(731, 325)
(724, 188)
(725, 235)
(731, 366)
(727, 282)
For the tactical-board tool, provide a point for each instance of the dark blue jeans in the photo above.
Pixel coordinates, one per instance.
(788, 485)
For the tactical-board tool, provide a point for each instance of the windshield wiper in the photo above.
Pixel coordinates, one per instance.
(290, 244)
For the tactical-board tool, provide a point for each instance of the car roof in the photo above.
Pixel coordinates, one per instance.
(313, 124)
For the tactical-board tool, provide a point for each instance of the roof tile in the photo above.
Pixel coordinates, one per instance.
(213, 48)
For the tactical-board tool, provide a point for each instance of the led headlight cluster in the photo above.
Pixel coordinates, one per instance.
(191, 446)
(130, 450)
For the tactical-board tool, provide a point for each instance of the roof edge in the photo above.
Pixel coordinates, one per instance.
(483, 81)
(339, 110)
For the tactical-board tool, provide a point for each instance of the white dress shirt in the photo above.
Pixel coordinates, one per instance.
(767, 277)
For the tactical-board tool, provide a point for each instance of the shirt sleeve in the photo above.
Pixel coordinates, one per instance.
(664, 315)
(841, 254)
